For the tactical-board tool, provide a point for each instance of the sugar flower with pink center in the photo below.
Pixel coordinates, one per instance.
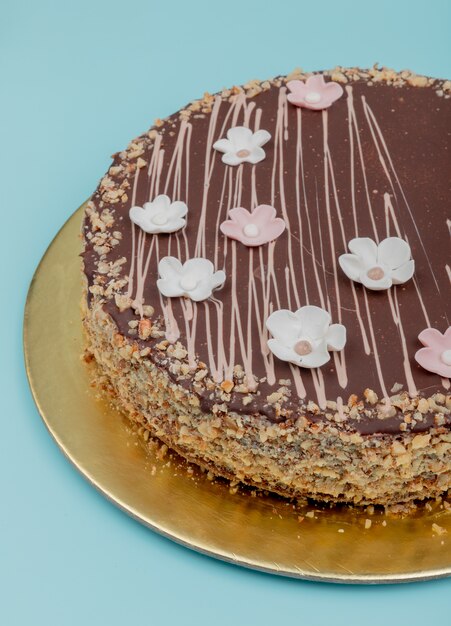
(315, 93)
(195, 279)
(159, 216)
(378, 266)
(242, 145)
(436, 355)
(253, 228)
(304, 337)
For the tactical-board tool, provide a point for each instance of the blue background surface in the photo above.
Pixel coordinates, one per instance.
(78, 80)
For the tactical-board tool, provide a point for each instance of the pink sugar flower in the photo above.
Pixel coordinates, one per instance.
(436, 355)
(253, 228)
(315, 93)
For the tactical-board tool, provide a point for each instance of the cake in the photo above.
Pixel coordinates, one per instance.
(267, 284)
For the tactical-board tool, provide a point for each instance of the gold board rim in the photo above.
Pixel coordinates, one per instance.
(179, 538)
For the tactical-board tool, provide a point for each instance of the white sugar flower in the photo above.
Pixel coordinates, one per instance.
(242, 145)
(195, 279)
(378, 266)
(304, 337)
(159, 216)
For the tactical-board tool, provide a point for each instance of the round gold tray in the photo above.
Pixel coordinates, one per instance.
(254, 530)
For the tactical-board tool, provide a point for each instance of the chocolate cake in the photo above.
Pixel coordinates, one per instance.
(267, 284)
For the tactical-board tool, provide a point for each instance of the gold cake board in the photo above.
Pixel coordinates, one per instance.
(257, 531)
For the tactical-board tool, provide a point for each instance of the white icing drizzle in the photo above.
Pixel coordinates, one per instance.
(153, 165)
(390, 212)
(246, 347)
(281, 135)
(223, 365)
(333, 252)
(184, 136)
(191, 315)
(352, 117)
(406, 362)
(200, 249)
(177, 156)
(139, 270)
(377, 136)
(339, 359)
(215, 370)
(131, 272)
(374, 344)
(172, 329)
(158, 171)
(318, 382)
(300, 178)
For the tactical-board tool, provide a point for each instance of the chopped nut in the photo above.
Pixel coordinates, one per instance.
(352, 400)
(274, 397)
(370, 396)
(148, 310)
(179, 352)
(397, 448)
(200, 374)
(438, 530)
(420, 441)
(385, 411)
(404, 459)
(417, 81)
(123, 302)
(144, 329)
(227, 386)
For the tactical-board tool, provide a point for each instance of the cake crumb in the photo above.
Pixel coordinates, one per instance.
(438, 530)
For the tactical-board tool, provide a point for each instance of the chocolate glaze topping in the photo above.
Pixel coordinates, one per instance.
(377, 163)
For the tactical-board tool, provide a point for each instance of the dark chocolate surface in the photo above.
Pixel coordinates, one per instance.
(335, 181)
